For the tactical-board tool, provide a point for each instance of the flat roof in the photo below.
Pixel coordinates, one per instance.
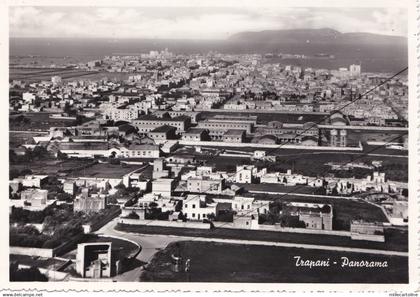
(235, 132)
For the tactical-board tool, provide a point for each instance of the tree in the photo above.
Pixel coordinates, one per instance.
(211, 216)
(61, 156)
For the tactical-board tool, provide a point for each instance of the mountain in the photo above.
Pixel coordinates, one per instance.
(315, 36)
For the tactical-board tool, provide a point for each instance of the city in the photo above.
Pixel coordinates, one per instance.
(207, 167)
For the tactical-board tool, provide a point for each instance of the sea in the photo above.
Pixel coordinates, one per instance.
(372, 57)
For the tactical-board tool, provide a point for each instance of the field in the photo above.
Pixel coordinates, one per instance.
(396, 240)
(37, 121)
(18, 138)
(105, 170)
(313, 163)
(52, 167)
(216, 262)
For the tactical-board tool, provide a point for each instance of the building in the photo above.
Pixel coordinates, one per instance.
(361, 230)
(199, 207)
(162, 133)
(234, 136)
(195, 134)
(163, 186)
(56, 80)
(225, 125)
(159, 169)
(399, 214)
(141, 151)
(245, 174)
(355, 70)
(120, 113)
(203, 184)
(338, 138)
(314, 215)
(150, 122)
(69, 187)
(36, 198)
(33, 181)
(89, 202)
(94, 260)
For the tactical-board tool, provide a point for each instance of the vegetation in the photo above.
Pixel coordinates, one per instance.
(60, 224)
(26, 274)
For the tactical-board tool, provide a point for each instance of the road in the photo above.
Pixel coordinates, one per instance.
(152, 243)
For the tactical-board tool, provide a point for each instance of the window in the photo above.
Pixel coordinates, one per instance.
(242, 206)
(193, 206)
(193, 215)
(204, 215)
(186, 205)
(248, 206)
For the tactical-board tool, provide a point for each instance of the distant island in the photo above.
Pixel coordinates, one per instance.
(316, 36)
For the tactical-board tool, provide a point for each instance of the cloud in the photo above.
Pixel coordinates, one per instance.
(195, 22)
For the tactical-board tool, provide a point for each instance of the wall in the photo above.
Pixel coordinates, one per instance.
(278, 228)
(260, 145)
(194, 225)
(29, 251)
(357, 236)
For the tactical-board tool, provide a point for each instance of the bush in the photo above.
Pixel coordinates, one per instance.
(26, 274)
(133, 215)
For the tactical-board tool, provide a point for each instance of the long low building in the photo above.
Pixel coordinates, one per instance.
(104, 149)
(181, 123)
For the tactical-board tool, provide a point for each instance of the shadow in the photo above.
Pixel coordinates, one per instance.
(130, 264)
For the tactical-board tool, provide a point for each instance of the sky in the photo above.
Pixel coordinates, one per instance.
(196, 22)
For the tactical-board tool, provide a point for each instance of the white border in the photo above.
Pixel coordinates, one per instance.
(211, 287)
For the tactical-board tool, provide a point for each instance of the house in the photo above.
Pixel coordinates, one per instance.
(197, 207)
(69, 187)
(314, 215)
(36, 198)
(245, 174)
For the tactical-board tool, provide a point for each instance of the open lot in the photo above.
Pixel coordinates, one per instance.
(105, 170)
(53, 167)
(217, 262)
